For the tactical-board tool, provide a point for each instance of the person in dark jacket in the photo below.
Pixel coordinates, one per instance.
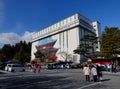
(99, 73)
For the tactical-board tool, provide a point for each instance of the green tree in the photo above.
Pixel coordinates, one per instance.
(39, 55)
(33, 62)
(110, 42)
(23, 54)
(86, 47)
(20, 57)
(9, 52)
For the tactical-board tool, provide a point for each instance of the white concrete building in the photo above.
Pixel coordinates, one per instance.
(65, 36)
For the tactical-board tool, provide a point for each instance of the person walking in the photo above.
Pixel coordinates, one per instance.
(94, 73)
(34, 68)
(99, 73)
(86, 71)
(39, 68)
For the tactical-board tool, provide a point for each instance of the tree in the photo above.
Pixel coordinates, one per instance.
(86, 47)
(33, 62)
(8, 51)
(66, 56)
(20, 57)
(39, 55)
(110, 42)
(2, 57)
(23, 54)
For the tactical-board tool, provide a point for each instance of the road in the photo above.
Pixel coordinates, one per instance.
(56, 79)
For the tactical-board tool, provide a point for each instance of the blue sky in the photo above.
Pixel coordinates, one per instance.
(20, 18)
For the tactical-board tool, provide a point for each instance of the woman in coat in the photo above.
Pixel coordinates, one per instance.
(94, 73)
(86, 71)
(39, 68)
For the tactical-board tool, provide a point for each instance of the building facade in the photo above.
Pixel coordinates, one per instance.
(60, 39)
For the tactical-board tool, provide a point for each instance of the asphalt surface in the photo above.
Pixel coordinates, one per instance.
(56, 79)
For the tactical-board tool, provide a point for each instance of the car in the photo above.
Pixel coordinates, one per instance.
(76, 65)
(14, 68)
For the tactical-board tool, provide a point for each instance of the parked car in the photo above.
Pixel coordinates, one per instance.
(14, 68)
(76, 65)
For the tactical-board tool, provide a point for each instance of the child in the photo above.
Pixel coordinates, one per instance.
(94, 73)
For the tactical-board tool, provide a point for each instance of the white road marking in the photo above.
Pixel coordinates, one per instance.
(89, 85)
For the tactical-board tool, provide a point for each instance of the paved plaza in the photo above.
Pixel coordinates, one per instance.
(57, 79)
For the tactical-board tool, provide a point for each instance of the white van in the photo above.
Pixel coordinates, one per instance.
(14, 68)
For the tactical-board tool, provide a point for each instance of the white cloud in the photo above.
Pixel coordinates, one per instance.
(9, 38)
(27, 36)
(12, 38)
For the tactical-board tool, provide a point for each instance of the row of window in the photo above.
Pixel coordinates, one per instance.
(56, 26)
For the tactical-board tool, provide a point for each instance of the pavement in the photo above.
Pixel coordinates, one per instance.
(57, 79)
(117, 73)
(3, 72)
(104, 72)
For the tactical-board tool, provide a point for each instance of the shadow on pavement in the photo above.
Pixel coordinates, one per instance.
(105, 80)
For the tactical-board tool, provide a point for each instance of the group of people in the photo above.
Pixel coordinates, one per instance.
(94, 70)
(35, 68)
(112, 68)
